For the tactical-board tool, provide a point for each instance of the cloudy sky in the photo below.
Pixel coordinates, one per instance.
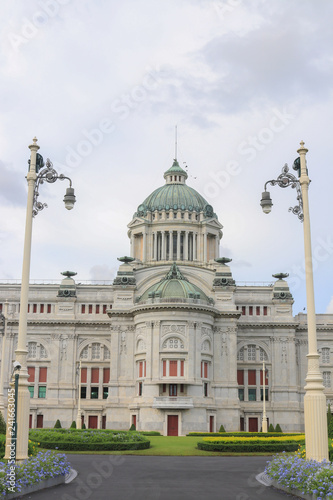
(102, 86)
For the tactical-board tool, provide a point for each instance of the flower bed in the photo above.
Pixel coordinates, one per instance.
(243, 434)
(33, 470)
(307, 476)
(89, 439)
(257, 444)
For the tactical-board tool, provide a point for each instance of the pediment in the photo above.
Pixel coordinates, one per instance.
(137, 221)
(213, 223)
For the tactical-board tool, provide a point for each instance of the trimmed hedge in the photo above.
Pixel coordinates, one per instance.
(248, 447)
(150, 433)
(107, 446)
(242, 434)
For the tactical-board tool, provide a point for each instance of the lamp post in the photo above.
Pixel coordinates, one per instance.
(39, 172)
(264, 417)
(314, 400)
(78, 417)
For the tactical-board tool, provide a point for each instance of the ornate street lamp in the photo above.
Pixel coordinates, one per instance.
(38, 174)
(314, 400)
(78, 417)
(264, 416)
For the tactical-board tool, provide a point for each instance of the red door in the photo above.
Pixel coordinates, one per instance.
(172, 425)
(211, 423)
(39, 421)
(134, 420)
(92, 422)
(253, 424)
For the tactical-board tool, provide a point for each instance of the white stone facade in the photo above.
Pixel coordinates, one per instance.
(171, 348)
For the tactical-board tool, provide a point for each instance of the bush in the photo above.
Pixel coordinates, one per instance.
(329, 415)
(73, 425)
(330, 429)
(248, 447)
(271, 428)
(222, 429)
(90, 439)
(278, 428)
(241, 434)
(150, 433)
(83, 426)
(57, 425)
(2, 424)
(132, 428)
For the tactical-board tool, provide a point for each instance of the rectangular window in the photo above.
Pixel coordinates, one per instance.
(140, 369)
(265, 310)
(31, 390)
(94, 393)
(140, 388)
(104, 308)
(97, 308)
(164, 368)
(83, 375)
(164, 388)
(83, 309)
(83, 393)
(241, 394)
(252, 377)
(181, 387)
(42, 374)
(42, 391)
(48, 308)
(31, 373)
(105, 392)
(258, 310)
(252, 394)
(173, 368)
(325, 355)
(173, 390)
(327, 379)
(90, 309)
(106, 375)
(204, 369)
(205, 389)
(262, 394)
(95, 375)
(28, 308)
(34, 308)
(251, 310)
(243, 310)
(41, 308)
(182, 368)
(261, 378)
(240, 377)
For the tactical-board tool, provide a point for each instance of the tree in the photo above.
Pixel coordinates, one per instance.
(2, 424)
(222, 429)
(73, 425)
(329, 415)
(278, 428)
(271, 428)
(57, 425)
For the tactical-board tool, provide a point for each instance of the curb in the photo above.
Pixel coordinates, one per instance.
(267, 481)
(41, 485)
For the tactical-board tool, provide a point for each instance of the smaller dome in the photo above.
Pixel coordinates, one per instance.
(174, 285)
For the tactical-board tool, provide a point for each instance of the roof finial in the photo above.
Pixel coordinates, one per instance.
(175, 142)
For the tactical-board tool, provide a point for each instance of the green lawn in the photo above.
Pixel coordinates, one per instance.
(169, 446)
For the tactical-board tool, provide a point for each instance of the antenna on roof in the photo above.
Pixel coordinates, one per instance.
(176, 142)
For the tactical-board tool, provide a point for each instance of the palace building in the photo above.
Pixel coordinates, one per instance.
(174, 344)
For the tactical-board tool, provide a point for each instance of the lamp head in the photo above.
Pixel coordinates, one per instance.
(266, 202)
(17, 365)
(69, 198)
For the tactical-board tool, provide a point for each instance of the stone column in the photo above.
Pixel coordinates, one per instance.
(186, 246)
(163, 256)
(155, 245)
(132, 245)
(144, 250)
(195, 248)
(217, 244)
(204, 247)
(178, 244)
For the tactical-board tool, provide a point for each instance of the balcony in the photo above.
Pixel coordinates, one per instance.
(173, 402)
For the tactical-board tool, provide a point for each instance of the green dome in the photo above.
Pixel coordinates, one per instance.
(175, 195)
(174, 286)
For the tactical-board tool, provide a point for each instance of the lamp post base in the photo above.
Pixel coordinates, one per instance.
(316, 438)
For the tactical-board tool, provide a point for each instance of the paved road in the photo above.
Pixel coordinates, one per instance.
(126, 477)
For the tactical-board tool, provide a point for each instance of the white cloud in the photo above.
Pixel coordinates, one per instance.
(221, 75)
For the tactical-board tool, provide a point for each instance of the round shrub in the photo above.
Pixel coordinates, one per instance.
(222, 429)
(57, 425)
